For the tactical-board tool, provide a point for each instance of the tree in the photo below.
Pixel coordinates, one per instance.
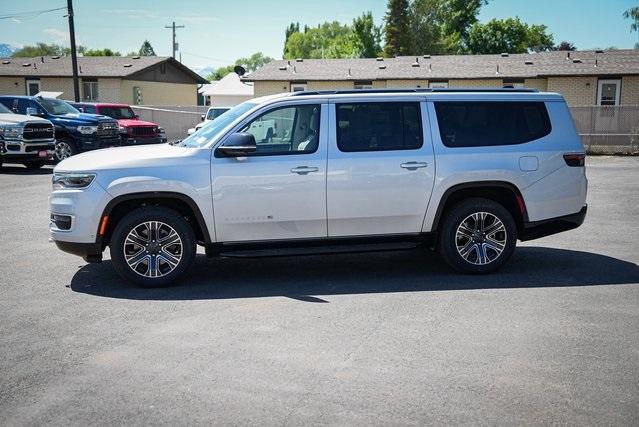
(293, 27)
(369, 36)
(508, 35)
(146, 49)
(328, 40)
(633, 13)
(565, 46)
(397, 29)
(40, 49)
(101, 52)
(250, 63)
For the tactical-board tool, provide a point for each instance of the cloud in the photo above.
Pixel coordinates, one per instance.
(56, 35)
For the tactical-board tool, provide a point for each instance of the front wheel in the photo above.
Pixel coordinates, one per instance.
(152, 246)
(64, 149)
(477, 236)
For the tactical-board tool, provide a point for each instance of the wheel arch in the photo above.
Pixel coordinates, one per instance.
(503, 192)
(119, 206)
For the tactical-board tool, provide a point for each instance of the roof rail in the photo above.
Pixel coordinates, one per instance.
(418, 90)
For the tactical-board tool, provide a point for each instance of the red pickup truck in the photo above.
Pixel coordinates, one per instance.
(133, 131)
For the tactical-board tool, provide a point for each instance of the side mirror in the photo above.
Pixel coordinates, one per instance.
(31, 111)
(81, 109)
(237, 145)
(202, 117)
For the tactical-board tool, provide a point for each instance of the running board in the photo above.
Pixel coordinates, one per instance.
(316, 250)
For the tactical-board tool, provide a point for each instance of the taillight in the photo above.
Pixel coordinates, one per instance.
(575, 159)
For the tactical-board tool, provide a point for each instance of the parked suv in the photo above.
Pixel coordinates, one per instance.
(133, 131)
(467, 172)
(25, 139)
(74, 131)
(212, 114)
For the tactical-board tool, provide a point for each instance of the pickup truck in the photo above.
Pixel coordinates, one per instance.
(133, 131)
(74, 131)
(25, 139)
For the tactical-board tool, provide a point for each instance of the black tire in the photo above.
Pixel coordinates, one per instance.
(34, 164)
(481, 251)
(64, 148)
(135, 220)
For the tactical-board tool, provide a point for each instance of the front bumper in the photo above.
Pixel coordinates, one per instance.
(133, 140)
(93, 143)
(21, 150)
(90, 252)
(547, 227)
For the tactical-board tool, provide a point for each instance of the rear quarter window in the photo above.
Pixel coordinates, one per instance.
(490, 123)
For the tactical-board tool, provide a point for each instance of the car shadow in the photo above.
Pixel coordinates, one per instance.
(14, 169)
(309, 278)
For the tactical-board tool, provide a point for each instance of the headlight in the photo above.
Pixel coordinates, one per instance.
(160, 129)
(62, 180)
(87, 129)
(122, 129)
(11, 132)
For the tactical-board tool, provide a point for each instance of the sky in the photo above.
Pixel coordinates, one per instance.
(219, 31)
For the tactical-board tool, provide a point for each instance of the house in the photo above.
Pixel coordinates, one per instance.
(598, 77)
(148, 80)
(227, 92)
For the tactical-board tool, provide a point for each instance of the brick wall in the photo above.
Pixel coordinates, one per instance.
(540, 84)
(404, 84)
(156, 93)
(12, 86)
(576, 90)
(109, 90)
(475, 83)
(630, 90)
(264, 88)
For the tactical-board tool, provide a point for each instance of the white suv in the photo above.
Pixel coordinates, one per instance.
(465, 171)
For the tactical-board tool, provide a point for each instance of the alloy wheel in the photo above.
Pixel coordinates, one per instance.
(480, 238)
(153, 249)
(62, 150)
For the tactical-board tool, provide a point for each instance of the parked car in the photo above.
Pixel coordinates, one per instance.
(74, 131)
(467, 172)
(212, 114)
(133, 131)
(25, 139)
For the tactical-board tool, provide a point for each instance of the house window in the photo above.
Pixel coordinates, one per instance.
(438, 85)
(362, 84)
(89, 90)
(608, 92)
(33, 87)
(513, 83)
(298, 87)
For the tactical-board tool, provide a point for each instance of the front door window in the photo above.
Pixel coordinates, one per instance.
(608, 92)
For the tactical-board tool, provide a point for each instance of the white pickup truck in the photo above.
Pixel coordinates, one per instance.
(25, 139)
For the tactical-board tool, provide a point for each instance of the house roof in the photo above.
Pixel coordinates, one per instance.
(525, 65)
(88, 66)
(229, 85)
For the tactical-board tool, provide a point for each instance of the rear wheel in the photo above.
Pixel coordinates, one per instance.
(152, 246)
(477, 236)
(34, 164)
(64, 148)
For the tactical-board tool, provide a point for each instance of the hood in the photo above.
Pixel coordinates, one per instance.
(81, 118)
(134, 123)
(6, 118)
(134, 157)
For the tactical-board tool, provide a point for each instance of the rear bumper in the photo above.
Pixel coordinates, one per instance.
(547, 227)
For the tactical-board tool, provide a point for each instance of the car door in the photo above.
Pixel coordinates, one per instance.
(279, 191)
(380, 167)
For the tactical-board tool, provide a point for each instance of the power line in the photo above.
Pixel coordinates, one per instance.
(30, 14)
(174, 46)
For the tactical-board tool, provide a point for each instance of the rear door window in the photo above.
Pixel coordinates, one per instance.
(489, 123)
(379, 126)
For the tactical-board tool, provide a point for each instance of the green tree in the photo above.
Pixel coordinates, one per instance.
(40, 49)
(397, 29)
(633, 14)
(328, 40)
(146, 49)
(101, 52)
(508, 35)
(250, 63)
(293, 27)
(369, 36)
(564, 45)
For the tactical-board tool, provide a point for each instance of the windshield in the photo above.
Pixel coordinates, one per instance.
(214, 113)
(118, 112)
(212, 128)
(56, 107)
(4, 109)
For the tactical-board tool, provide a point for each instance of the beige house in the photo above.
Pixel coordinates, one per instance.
(137, 80)
(583, 77)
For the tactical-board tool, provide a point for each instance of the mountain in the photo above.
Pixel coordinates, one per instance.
(6, 49)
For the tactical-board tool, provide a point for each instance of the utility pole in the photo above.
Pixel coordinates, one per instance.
(74, 55)
(173, 27)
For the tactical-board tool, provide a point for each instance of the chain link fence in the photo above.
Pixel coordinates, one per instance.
(603, 129)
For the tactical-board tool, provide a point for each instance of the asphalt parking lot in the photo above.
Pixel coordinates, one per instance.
(381, 338)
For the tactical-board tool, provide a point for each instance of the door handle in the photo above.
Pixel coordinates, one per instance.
(303, 170)
(413, 165)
